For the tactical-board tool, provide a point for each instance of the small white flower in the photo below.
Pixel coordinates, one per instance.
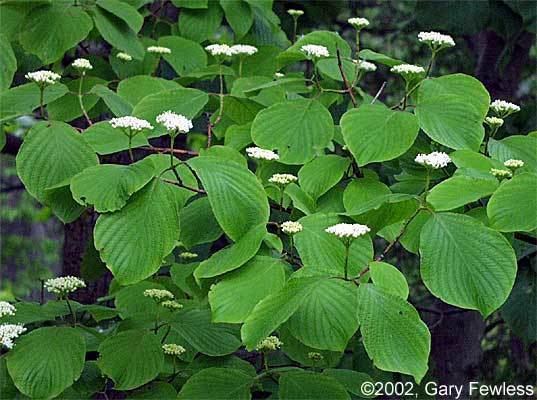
(43, 77)
(159, 50)
(436, 159)
(313, 50)
(188, 255)
(270, 343)
(514, 164)
(173, 349)
(282, 179)
(504, 108)
(365, 65)
(501, 173)
(346, 231)
(132, 123)
(6, 309)
(82, 64)
(358, 23)
(494, 121)
(261, 154)
(278, 75)
(315, 356)
(174, 122)
(407, 69)
(124, 56)
(64, 285)
(291, 227)
(436, 40)
(159, 294)
(295, 13)
(10, 332)
(219, 50)
(243, 49)
(171, 304)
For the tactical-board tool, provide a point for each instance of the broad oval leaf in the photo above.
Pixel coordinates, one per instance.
(217, 383)
(137, 87)
(198, 223)
(518, 147)
(298, 129)
(389, 278)
(197, 56)
(322, 173)
(375, 133)
(301, 385)
(465, 263)
(104, 139)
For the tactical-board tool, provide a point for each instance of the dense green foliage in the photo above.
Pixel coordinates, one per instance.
(197, 215)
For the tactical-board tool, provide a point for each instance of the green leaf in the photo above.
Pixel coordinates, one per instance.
(67, 154)
(24, 99)
(106, 140)
(470, 160)
(233, 298)
(323, 253)
(198, 223)
(196, 60)
(116, 32)
(454, 16)
(233, 256)
(238, 136)
(119, 106)
(380, 58)
(8, 62)
(299, 129)
(188, 102)
(46, 361)
(301, 200)
(394, 336)
(518, 147)
(513, 207)
(108, 187)
(451, 110)
(319, 175)
(301, 385)
(123, 11)
(200, 24)
(131, 358)
(239, 16)
(389, 278)
(298, 351)
(364, 194)
(375, 133)
(326, 318)
(237, 198)
(331, 40)
(135, 88)
(50, 41)
(351, 380)
(465, 263)
(217, 383)
(134, 241)
(460, 190)
(156, 390)
(131, 302)
(197, 329)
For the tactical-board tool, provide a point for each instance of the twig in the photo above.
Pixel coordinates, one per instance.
(379, 92)
(167, 150)
(201, 191)
(345, 81)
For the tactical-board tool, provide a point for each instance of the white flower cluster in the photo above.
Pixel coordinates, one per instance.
(504, 108)
(436, 40)
(314, 50)
(219, 50)
(291, 227)
(174, 122)
(159, 294)
(295, 13)
(270, 343)
(436, 159)
(278, 75)
(6, 309)
(173, 349)
(188, 255)
(407, 69)
(82, 64)
(171, 305)
(358, 23)
(261, 154)
(43, 77)
(282, 179)
(494, 121)
(243, 49)
(124, 56)
(346, 231)
(10, 332)
(514, 164)
(365, 65)
(159, 50)
(501, 173)
(129, 122)
(64, 285)
(315, 356)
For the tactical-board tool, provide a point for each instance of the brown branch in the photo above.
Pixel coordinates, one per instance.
(348, 87)
(167, 150)
(200, 191)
